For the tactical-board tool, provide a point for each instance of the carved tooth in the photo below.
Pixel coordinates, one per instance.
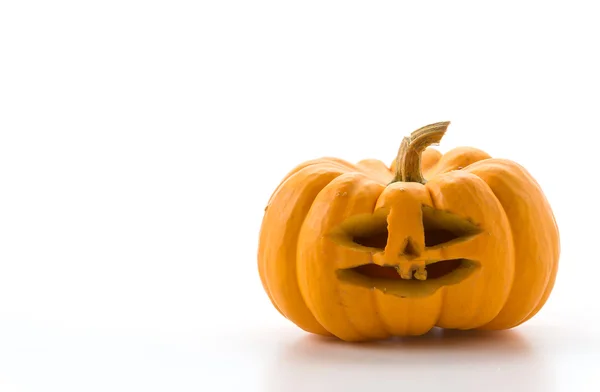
(405, 271)
(421, 272)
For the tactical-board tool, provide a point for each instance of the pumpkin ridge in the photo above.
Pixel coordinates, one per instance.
(318, 161)
(502, 176)
(376, 170)
(378, 312)
(348, 190)
(458, 158)
(339, 295)
(302, 315)
(549, 286)
(472, 196)
(512, 241)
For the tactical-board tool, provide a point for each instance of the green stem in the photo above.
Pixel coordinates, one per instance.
(408, 161)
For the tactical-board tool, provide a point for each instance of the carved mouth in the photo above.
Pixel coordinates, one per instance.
(388, 280)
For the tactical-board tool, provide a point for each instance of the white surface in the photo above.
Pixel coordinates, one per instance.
(140, 141)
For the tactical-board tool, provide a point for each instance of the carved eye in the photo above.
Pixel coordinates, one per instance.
(377, 239)
(367, 232)
(442, 227)
(370, 232)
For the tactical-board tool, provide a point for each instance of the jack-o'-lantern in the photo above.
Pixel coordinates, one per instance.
(367, 251)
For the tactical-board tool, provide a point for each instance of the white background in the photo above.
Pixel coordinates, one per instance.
(140, 142)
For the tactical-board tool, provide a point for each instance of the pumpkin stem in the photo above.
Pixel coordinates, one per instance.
(408, 161)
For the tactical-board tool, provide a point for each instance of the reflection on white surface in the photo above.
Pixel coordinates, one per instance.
(442, 359)
(281, 359)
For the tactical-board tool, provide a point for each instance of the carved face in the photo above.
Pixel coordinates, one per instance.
(444, 247)
(411, 261)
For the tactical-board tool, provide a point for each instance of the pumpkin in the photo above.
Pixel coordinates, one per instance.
(365, 251)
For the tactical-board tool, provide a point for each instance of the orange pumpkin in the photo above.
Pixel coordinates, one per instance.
(364, 251)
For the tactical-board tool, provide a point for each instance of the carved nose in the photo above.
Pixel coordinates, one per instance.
(410, 249)
(405, 230)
